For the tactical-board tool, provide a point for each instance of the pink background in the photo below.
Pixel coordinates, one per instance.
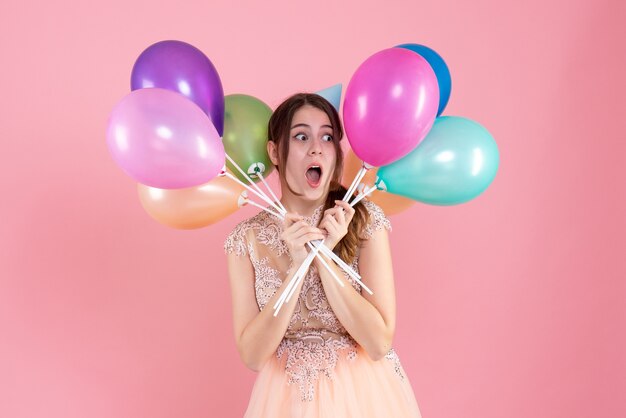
(512, 305)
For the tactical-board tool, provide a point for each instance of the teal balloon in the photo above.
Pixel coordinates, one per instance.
(332, 94)
(455, 163)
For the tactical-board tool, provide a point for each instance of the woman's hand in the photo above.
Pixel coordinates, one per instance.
(335, 222)
(296, 234)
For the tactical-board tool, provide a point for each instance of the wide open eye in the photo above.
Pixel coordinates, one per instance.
(300, 137)
(327, 138)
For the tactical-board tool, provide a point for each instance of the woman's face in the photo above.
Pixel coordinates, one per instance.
(312, 156)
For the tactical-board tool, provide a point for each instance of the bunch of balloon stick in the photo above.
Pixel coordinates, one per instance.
(279, 211)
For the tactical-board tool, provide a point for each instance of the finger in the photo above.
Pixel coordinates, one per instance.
(291, 218)
(334, 212)
(332, 222)
(336, 235)
(308, 238)
(294, 231)
(349, 211)
(327, 230)
(349, 216)
(345, 206)
(304, 231)
(326, 222)
(295, 226)
(332, 229)
(339, 219)
(340, 216)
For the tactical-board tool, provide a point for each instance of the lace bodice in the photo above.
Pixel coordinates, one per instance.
(314, 337)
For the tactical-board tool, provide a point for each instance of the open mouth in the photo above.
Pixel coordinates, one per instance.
(314, 175)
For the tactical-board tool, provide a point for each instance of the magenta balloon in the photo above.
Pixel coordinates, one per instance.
(163, 140)
(390, 105)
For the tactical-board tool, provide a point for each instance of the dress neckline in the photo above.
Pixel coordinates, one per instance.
(315, 216)
(313, 219)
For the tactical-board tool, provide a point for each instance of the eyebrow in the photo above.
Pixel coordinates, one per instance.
(307, 126)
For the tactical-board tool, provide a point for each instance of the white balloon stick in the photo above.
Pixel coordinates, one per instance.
(363, 195)
(293, 282)
(267, 186)
(301, 272)
(357, 178)
(250, 202)
(327, 251)
(260, 192)
(262, 195)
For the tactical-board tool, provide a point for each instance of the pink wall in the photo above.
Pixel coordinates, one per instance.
(513, 305)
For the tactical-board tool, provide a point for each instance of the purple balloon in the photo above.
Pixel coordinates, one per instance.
(390, 105)
(180, 67)
(163, 140)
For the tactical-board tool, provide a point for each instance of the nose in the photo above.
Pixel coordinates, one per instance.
(315, 147)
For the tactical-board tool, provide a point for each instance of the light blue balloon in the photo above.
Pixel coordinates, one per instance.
(455, 163)
(332, 94)
(441, 71)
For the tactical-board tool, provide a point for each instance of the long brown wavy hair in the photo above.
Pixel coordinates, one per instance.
(278, 132)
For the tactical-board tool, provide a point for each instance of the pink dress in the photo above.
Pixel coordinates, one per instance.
(318, 369)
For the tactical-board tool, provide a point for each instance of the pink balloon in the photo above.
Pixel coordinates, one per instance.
(390, 105)
(163, 140)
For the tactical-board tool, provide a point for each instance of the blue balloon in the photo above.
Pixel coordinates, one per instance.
(332, 94)
(441, 71)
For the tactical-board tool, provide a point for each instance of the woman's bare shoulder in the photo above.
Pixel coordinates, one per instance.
(236, 240)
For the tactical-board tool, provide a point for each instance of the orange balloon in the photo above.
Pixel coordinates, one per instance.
(390, 203)
(191, 207)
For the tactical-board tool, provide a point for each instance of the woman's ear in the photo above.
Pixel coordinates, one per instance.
(272, 152)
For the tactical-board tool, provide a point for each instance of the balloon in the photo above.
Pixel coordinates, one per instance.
(245, 134)
(439, 67)
(183, 68)
(333, 95)
(390, 203)
(456, 162)
(163, 140)
(192, 207)
(390, 105)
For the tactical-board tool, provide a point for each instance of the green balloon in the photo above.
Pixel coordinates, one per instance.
(245, 134)
(456, 162)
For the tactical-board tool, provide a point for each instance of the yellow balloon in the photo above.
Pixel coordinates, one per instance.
(191, 207)
(390, 203)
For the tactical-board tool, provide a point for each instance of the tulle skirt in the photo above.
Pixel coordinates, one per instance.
(358, 387)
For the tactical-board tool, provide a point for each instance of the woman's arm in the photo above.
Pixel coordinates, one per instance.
(257, 333)
(370, 319)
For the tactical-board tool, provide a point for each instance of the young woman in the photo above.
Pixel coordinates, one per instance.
(328, 352)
